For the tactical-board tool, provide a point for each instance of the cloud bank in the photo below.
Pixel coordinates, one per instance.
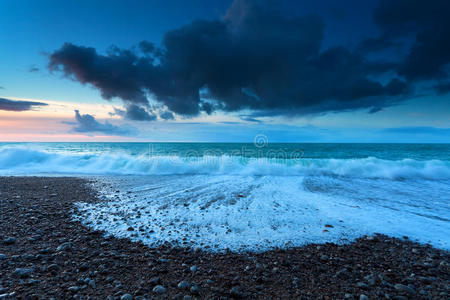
(88, 124)
(269, 63)
(16, 105)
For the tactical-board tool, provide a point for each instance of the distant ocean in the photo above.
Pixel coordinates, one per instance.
(253, 196)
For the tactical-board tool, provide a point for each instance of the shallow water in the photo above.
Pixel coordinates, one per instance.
(253, 196)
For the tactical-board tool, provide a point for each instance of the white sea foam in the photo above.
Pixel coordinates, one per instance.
(25, 160)
(261, 212)
(219, 202)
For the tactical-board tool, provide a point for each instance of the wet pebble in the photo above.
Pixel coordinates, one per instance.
(159, 289)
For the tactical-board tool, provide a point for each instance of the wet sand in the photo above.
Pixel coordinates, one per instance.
(44, 254)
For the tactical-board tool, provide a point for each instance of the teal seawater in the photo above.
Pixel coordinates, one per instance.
(260, 148)
(253, 196)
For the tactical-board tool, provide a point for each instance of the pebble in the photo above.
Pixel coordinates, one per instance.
(126, 297)
(52, 267)
(9, 241)
(22, 272)
(362, 285)
(184, 285)
(400, 297)
(236, 292)
(65, 247)
(92, 283)
(73, 289)
(193, 268)
(195, 289)
(363, 297)
(2, 256)
(404, 288)
(159, 289)
(155, 280)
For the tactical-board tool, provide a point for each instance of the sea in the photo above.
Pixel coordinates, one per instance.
(251, 196)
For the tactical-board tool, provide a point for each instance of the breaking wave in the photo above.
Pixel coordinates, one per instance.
(17, 161)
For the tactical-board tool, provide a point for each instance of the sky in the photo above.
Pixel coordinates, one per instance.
(225, 71)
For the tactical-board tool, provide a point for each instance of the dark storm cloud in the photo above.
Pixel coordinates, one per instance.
(443, 88)
(167, 115)
(16, 105)
(136, 113)
(265, 61)
(88, 124)
(427, 26)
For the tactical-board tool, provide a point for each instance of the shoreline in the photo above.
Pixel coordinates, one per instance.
(43, 252)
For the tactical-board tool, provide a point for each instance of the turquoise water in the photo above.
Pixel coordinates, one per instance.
(262, 149)
(252, 196)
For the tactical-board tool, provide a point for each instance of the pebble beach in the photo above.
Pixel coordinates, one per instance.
(47, 254)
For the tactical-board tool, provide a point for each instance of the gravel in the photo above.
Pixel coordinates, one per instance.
(44, 253)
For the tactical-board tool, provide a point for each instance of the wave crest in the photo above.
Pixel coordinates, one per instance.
(15, 161)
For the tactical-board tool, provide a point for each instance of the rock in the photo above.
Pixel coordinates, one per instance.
(195, 289)
(343, 274)
(73, 289)
(126, 297)
(371, 279)
(9, 241)
(65, 247)
(399, 297)
(33, 282)
(159, 289)
(84, 267)
(404, 288)
(236, 292)
(193, 268)
(324, 257)
(348, 296)
(2, 256)
(184, 285)
(52, 267)
(362, 285)
(155, 280)
(22, 272)
(92, 283)
(363, 297)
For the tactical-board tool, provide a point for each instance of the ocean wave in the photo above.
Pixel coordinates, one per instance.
(22, 160)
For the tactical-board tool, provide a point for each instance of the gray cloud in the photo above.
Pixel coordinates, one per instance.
(419, 130)
(249, 118)
(17, 105)
(443, 88)
(33, 69)
(88, 124)
(166, 115)
(136, 113)
(270, 63)
(426, 26)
